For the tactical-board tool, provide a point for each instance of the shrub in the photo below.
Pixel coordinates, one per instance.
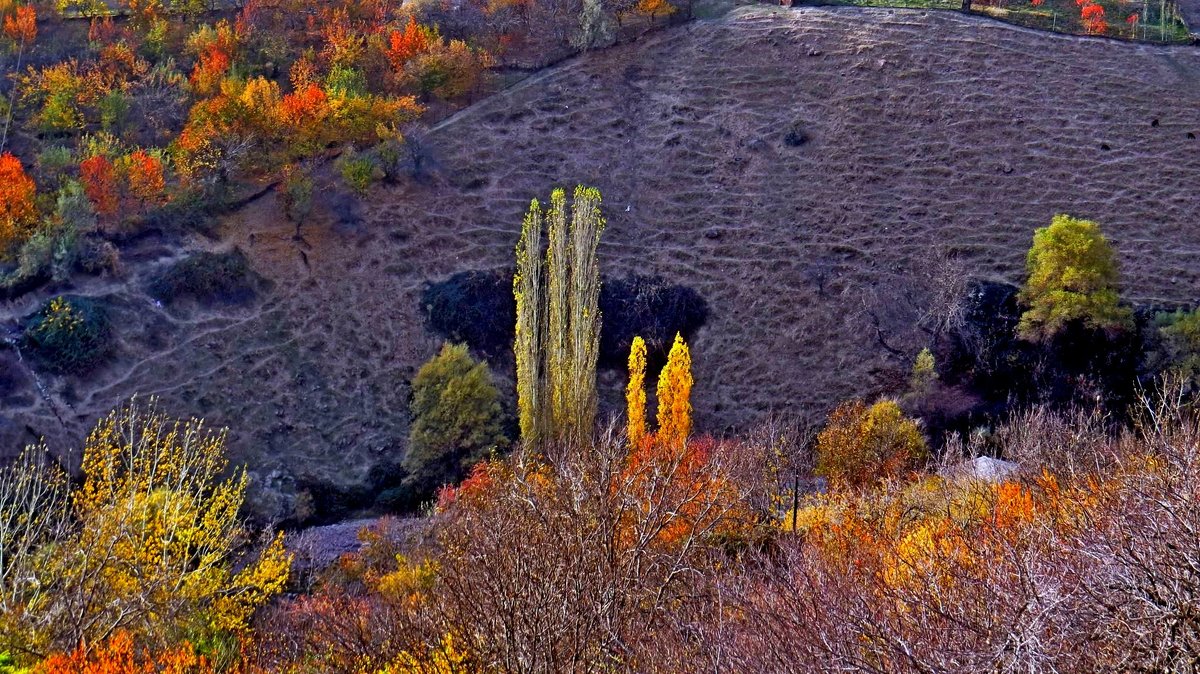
(359, 171)
(473, 307)
(861, 444)
(1072, 279)
(209, 278)
(649, 307)
(1180, 342)
(68, 335)
(296, 190)
(457, 420)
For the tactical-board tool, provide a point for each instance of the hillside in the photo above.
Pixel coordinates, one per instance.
(910, 132)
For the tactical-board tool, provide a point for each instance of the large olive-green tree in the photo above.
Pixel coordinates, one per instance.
(1072, 277)
(457, 420)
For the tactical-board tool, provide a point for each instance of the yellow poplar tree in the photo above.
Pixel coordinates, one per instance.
(635, 393)
(674, 395)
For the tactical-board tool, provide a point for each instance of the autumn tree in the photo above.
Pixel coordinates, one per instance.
(17, 209)
(1072, 279)
(99, 178)
(635, 393)
(150, 545)
(861, 444)
(457, 420)
(558, 317)
(674, 395)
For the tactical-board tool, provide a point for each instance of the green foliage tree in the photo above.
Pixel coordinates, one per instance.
(861, 444)
(457, 420)
(558, 317)
(924, 373)
(68, 334)
(1072, 278)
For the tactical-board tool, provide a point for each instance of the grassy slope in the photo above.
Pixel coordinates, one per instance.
(925, 129)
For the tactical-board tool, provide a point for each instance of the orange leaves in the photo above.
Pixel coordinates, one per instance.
(210, 69)
(304, 108)
(119, 655)
(17, 191)
(413, 40)
(21, 26)
(862, 444)
(100, 183)
(146, 180)
(674, 395)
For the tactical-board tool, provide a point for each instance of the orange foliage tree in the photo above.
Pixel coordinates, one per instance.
(861, 444)
(17, 210)
(674, 395)
(145, 175)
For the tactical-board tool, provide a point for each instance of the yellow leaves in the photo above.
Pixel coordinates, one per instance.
(154, 536)
(862, 444)
(409, 583)
(674, 395)
(443, 658)
(635, 392)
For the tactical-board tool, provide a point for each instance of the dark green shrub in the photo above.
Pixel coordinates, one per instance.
(208, 278)
(457, 420)
(68, 335)
(649, 307)
(473, 307)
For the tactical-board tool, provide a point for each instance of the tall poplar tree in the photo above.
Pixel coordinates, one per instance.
(635, 393)
(675, 395)
(558, 317)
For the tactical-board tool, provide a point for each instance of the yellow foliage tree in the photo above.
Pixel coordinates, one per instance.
(674, 395)
(152, 545)
(635, 392)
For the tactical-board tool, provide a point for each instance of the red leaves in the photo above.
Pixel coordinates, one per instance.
(305, 107)
(17, 191)
(1092, 17)
(119, 655)
(22, 25)
(99, 183)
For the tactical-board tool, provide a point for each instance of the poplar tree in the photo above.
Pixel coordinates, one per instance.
(674, 395)
(635, 393)
(558, 317)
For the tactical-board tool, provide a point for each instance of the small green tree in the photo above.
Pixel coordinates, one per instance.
(1180, 332)
(1072, 278)
(457, 420)
(924, 373)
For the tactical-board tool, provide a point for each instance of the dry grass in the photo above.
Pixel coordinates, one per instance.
(924, 131)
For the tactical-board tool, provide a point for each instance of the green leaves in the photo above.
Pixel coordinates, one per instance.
(1072, 277)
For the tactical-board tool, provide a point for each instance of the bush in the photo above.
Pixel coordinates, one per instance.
(68, 335)
(209, 278)
(651, 308)
(1179, 336)
(861, 444)
(477, 307)
(457, 420)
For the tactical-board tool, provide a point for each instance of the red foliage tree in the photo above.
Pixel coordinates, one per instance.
(99, 179)
(17, 191)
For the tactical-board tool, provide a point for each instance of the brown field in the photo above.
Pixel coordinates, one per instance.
(928, 135)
